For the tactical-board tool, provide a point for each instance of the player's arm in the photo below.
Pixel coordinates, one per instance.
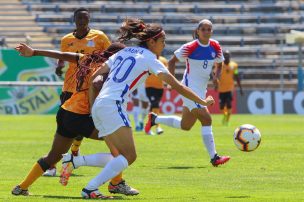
(27, 51)
(172, 65)
(184, 90)
(96, 82)
(216, 74)
(238, 81)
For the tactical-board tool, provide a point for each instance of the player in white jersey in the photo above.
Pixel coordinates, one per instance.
(199, 55)
(128, 68)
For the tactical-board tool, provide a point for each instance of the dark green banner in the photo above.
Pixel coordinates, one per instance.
(27, 99)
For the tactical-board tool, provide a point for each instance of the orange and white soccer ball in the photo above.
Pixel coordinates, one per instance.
(247, 137)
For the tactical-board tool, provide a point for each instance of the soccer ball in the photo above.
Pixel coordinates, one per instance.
(247, 137)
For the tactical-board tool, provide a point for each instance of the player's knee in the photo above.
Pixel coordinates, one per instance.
(131, 157)
(43, 164)
(186, 127)
(79, 138)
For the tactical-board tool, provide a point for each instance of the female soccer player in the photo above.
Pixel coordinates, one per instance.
(127, 69)
(199, 56)
(73, 117)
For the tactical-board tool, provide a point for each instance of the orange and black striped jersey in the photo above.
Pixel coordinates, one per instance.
(94, 40)
(153, 81)
(226, 82)
(79, 101)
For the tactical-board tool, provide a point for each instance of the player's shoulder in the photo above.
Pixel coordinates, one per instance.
(68, 36)
(96, 32)
(214, 42)
(233, 63)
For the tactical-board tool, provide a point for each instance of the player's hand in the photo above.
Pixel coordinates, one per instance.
(209, 100)
(25, 50)
(58, 71)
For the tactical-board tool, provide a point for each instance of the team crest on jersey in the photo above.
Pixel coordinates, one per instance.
(213, 54)
(91, 43)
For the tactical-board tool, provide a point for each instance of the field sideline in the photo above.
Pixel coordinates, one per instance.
(171, 167)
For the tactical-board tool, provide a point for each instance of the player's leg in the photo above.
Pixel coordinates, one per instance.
(155, 95)
(204, 117)
(229, 106)
(222, 103)
(76, 145)
(118, 185)
(184, 123)
(136, 113)
(122, 139)
(60, 146)
(64, 96)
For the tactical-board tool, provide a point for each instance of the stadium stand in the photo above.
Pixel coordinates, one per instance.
(251, 30)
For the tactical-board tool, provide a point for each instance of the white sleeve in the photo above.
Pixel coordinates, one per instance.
(220, 57)
(156, 67)
(180, 54)
(111, 61)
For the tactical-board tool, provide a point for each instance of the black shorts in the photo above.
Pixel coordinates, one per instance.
(71, 125)
(64, 96)
(225, 99)
(154, 95)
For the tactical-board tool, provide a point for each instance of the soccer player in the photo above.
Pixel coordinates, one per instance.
(127, 69)
(226, 86)
(82, 40)
(199, 55)
(73, 117)
(154, 90)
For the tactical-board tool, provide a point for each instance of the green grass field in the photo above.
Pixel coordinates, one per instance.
(171, 167)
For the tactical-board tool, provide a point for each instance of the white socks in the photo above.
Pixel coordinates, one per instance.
(208, 140)
(172, 121)
(136, 112)
(112, 169)
(97, 160)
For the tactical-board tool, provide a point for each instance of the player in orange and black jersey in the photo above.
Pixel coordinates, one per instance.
(73, 118)
(154, 91)
(82, 40)
(226, 86)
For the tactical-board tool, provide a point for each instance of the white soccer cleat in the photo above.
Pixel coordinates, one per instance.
(50, 172)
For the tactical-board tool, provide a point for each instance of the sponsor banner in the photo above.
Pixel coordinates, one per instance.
(172, 103)
(271, 102)
(25, 99)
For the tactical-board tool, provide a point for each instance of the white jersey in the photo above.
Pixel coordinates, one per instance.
(199, 61)
(129, 68)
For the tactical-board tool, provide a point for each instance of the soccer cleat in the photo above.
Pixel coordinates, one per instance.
(66, 169)
(150, 133)
(159, 130)
(18, 191)
(218, 160)
(151, 121)
(141, 125)
(122, 188)
(138, 129)
(91, 194)
(50, 172)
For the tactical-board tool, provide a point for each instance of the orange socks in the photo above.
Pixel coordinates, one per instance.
(33, 175)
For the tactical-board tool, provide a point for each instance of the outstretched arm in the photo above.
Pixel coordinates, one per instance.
(27, 51)
(184, 90)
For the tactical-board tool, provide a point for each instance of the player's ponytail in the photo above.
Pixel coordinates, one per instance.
(136, 28)
(90, 61)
